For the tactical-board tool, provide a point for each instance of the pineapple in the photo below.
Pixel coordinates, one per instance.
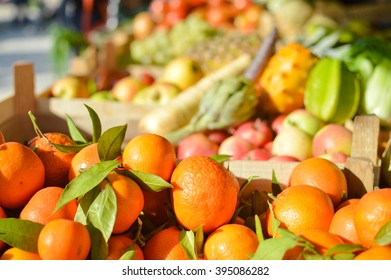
(222, 49)
(282, 83)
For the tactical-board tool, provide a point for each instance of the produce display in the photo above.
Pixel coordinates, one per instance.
(235, 85)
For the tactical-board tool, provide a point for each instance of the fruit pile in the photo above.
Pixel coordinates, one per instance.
(70, 197)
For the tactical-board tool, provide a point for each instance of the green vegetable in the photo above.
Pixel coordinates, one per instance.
(370, 58)
(377, 95)
(332, 91)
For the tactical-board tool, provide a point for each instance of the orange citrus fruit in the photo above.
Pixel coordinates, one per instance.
(150, 153)
(321, 239)
(301, 207)
(118, 244)
(64, 239)
(83, 159)
(323, 174)
(375, 253)
(40, 208)
(343, 224)
(130, 200)
(22, 174)
(372, 212)
(231, 242)
(165, 245)
(14, 253)
(56, 163)
(204, 193)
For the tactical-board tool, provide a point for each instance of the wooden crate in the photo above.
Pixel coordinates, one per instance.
(361, 169)
(51, 112)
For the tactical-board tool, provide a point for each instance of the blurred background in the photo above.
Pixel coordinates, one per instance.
(25, 31)
(39, 31)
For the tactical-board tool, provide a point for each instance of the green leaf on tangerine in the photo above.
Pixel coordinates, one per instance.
(84, 203)
(258, 228)
(273, 248)
(383, 236)
(343, 248)
(220, 158)
(99, 246)
(71, 149)
(74, 131)
(276, 188)
(22, 234)
(147, 181)
(129, 254)
(86, 181)
(199, 240)
(186, 239)
(96, 124)
(109, 144)
(102, 211)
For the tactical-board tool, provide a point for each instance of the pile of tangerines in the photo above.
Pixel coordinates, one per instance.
(62, 198)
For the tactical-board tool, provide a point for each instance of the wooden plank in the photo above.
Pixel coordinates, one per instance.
(24, 86)
(362, 168)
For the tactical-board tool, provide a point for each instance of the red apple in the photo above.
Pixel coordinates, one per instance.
(332, 138)
(236, 147)
(196, 144)
(127, 88)
(258, 154)
(255, 131)
(217, 136)
(269, 146)
(337, 157)
(292, 141)
(283, 158)
(276, 124)
(147, 78)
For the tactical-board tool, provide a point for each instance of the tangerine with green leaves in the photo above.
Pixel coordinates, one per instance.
(231, 242)
(56, 162)
(41, 206)
(85, 158)
(204, 193)
(22, 175)
(64, 239)
(323, 174)
(14, 253)
(150, 153)
(299, 208)
(119, 244)
(165, 245)
(130, 200)
(373, 211)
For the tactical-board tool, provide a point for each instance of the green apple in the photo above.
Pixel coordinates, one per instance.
(182, 71)
(102, 96)
(159, 93)
(69, 87)
(304, 120)
(294, 142)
